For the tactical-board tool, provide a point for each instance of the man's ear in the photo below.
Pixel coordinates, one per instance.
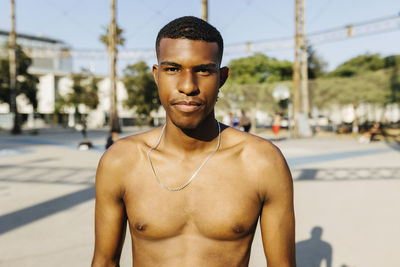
(223, 75)
(155, 73)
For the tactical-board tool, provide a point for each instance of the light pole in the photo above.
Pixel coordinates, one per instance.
(13, 73)
(204, 8)
(113, 50)
(300, 75)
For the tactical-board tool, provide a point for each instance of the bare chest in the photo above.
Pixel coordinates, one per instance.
(219, 205)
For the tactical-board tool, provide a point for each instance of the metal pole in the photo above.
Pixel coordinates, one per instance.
(300, 76)
(296, 74)
(13, 73)
(305, 109)
(113, 50)
(204, 6)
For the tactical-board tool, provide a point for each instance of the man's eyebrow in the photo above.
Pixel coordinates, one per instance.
(211, 65)
(170, 64)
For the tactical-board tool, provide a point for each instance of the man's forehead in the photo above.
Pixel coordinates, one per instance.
(185, 47)
(166, 40)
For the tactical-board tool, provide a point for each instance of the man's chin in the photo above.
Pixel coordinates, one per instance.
(189, 122)
(186, 123)
(186, 126)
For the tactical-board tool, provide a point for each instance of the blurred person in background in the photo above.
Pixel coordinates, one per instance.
(244, 122)
(111, 139)
(276, 125)
(228, 119)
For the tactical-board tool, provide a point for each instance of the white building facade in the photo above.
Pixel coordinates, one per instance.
(52, 64)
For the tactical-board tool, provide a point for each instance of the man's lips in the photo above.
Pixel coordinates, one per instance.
(187, 106)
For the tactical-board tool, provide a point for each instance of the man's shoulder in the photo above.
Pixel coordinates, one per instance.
(254, 151)
(258, 158)
(250, 145)
(130, 149)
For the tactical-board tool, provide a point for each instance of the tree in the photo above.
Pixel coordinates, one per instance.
(141, 89)
(259, 68)
(84, 91)
(359, 65)
(26, 82)
(373, 88)
(250, 97)
(391, 61)
(394, 96)
(104, 37)
(112, 39)
(316, 65)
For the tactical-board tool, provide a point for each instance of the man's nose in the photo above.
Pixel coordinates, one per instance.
(188, 83)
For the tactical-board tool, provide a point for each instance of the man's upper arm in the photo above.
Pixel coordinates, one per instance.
(277, 216)
(110, 214)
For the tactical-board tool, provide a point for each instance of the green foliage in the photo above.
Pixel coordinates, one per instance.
(391, 61)
(363, 79)
(259, 68)
(26, 83)
(359, 65)
(316, 65)
(141, 88)
(104, 37)
(84, 91)
(379, 88)
(250, 96)
(394, 96)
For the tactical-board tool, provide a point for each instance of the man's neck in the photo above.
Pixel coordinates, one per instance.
(201, 138)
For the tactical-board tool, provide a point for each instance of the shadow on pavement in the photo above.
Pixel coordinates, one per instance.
(33, 172)
(313, 251)
(395, 145)
(25, 216)
(29, 172)
(345, 174)
(297, 161)
(391, 137)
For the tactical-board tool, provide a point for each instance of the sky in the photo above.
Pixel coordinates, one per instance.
(79, 23)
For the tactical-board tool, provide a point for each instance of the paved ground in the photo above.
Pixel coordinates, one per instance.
(346, 196)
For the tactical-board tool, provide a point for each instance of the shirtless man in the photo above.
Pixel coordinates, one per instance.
(191, 192)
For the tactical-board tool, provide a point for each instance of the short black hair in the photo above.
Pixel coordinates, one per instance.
(191, 28)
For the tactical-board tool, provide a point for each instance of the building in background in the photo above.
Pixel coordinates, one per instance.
(52, 63)
(47, 54)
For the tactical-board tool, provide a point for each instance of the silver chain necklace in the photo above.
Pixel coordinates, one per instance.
(194, 174)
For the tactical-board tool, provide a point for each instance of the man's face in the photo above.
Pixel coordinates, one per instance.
(188, 78)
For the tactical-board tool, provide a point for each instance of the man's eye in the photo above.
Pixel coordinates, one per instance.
(171, 69)
(204, 71)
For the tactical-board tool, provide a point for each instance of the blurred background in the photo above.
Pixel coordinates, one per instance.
(319, 78)
(344, 78)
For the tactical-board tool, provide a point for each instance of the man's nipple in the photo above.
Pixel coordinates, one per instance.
(238, 229)
(140, 226)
